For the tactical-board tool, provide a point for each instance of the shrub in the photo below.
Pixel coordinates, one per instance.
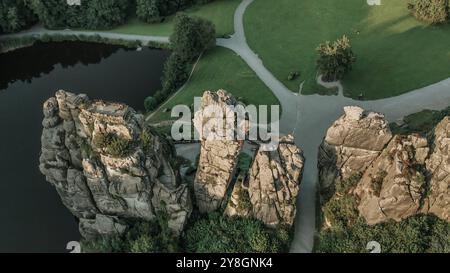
(113, 144)
(293, 75)
(150, 104)
(335, 59)
(430, 11)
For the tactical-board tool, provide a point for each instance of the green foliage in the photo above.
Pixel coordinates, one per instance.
(349, 233)
(335, 59)
(93, 14)
(422, 122)
(102, 14)
(217, 234)
(430, 11)
(243, 164)
(146, 140)
(15, 15)
(150, 104)
(148, 10)
(245, 203)
(143, 237)
(175, 74)
(113, 144)
(192, 35)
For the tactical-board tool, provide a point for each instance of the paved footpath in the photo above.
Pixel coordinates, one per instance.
(307, 117)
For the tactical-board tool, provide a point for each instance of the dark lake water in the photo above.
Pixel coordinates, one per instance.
(33, 218)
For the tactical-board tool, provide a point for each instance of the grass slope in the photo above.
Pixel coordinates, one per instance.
(220, 12)
(396, 53)
(220, 68)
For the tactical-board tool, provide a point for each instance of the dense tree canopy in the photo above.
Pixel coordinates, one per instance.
(191, 36)
(94, 14)
(217, 234)
(15, 15)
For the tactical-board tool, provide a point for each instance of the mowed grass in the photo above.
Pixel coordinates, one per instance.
(396, 53)
(220, 12)
(221, 68)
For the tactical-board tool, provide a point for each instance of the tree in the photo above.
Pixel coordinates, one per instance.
(335, 59)
(51, 13)
(15, 16)
(94, 14)
(191, 36)
(175, 73)
(431, 11)
(150, 104)
(148, 10)
(106, 13)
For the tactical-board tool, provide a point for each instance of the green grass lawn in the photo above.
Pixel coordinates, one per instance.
(220, 12)
(221, 68)
(396, 53)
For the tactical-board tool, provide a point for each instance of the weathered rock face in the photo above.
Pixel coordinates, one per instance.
(273, 186)
(270, 190)
(274, 183)
(352, 143)
(219, 149)
(107, 165)
(438, 201)
(396, 181)
(393, 187)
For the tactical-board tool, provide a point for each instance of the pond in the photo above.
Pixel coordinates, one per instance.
(32, 215)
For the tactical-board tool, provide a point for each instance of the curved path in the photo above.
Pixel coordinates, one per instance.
(307, 117)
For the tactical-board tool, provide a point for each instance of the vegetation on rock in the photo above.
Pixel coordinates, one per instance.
(343, 231)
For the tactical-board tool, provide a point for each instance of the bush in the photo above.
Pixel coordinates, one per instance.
(113, 144)
(217, 234)
(293, 75)
(430, 11)
(335, 59)
(150, 104)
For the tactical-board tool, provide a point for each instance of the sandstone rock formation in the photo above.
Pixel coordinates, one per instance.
(393, 186)
(108, 166)
(215, 122)
(438, 201)
(273, 186)
(395, 182)
(351, 144)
